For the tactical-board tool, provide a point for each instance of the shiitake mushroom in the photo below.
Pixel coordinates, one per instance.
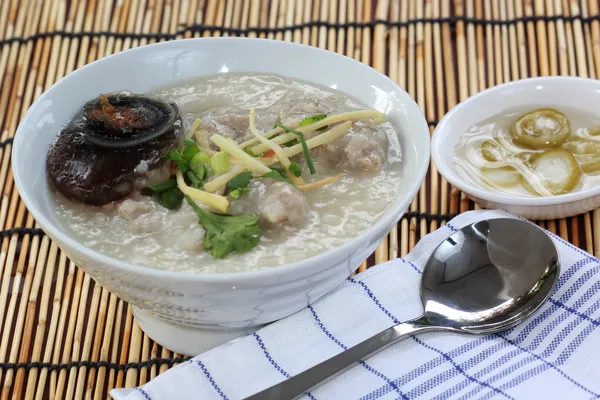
(100, 155)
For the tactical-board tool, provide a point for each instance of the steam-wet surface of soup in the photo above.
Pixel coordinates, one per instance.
(296, 224)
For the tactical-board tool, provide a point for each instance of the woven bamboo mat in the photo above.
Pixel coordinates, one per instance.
(62, 336)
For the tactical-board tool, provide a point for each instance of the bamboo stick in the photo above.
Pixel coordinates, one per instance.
(485, 55)
(30, 277)
(30, 306)
(54, 321)
(421, 101)
(439, 182)
(552, 38)
(367, 15)
(87, 339)
(135, 344)
(77, 322)
(272, 14)
(513, 40)
(561, 41)
(288, 19)
(342, 34)
(522, 41)
(59, 382)
(40, 329)
(69, 282)
(579, 44)
(403, 81)
(588, 41)
(322, 31)
(126, 341)
(105, 349)
(143, 378)
(379, 57)
(412, 90)
(116, 340)
(526, 9)
(330, 16)
(253, 17)
(471, 47)
(503, 32)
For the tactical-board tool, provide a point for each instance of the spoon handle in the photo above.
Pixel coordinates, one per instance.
(305, 380)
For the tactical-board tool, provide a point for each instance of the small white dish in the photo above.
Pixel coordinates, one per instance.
(186, 312)
(555, 92)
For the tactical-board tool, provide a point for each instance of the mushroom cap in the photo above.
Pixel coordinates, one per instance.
(100, 155)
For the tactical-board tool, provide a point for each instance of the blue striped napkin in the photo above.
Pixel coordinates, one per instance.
(555, 354)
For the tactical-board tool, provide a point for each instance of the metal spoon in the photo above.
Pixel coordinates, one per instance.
(484, 278)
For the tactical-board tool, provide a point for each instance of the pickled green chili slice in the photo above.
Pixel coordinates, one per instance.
(558, 170)
(542, 129)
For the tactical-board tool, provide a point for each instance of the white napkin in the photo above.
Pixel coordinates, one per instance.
(555, 354)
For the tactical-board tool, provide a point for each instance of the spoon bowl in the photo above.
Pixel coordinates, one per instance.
(484, 278)
(489, 276)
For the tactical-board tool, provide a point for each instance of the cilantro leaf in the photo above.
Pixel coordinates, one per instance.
(226, 234)
(277, 174)
(163, 186)
(238, 186)
(166, 193)
(171, 199)
(240, 181)
(183, 157)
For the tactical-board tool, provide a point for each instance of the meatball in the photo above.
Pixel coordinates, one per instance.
(282, 202)
(276, 202)
(363, 147)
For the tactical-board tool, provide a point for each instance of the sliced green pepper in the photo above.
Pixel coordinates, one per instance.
(542, 129)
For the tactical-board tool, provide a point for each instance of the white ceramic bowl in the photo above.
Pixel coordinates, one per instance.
(555, 92)
(186, 312)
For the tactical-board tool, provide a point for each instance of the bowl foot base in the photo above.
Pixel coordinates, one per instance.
(187, 340)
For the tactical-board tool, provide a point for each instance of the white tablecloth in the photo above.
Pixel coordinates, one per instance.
(555, 354)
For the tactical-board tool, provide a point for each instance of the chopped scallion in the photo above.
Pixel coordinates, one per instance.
(277, 175)
(219, 163)
(295, 169)
(248, 150)
(197, 165)
(195, 181)
(185, 156)
(190, 149)
(312, 120)
(200, 157)
(238, 193)
(305, 150)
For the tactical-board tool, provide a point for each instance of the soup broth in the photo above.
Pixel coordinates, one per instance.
(296, 224)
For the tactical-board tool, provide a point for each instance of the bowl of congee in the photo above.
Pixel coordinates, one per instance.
(220, 184)
(531, 147)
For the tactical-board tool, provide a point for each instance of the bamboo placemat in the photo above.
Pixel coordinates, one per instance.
(62, 336)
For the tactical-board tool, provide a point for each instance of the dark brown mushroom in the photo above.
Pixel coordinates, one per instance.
(100, 155)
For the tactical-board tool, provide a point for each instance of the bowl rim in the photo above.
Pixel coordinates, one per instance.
(67, 241)
(438, 139)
